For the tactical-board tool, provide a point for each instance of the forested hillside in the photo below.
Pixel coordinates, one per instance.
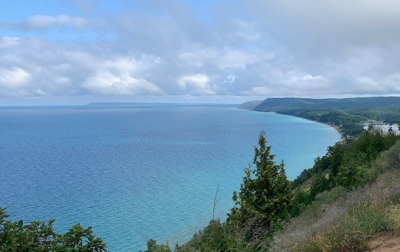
(280, 104)
(348, 114)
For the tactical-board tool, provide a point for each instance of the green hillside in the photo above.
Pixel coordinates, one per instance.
(348, 114)
(281, 104)
(349, 196)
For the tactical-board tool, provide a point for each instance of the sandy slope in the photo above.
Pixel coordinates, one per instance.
(385, 244)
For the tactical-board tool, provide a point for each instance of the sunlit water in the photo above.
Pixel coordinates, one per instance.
(135, 173)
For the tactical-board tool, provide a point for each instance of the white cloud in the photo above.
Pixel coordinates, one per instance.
(304, 78)
(14, 82)
(6, 42)
(258, 91)
(40, 92)
(45, 22)
(106, 83)
(245, 30)
(271, 48)
(13, 78)
(368, 83)
(230, 79)
(195, 84)
(122, 76)
(221, 58)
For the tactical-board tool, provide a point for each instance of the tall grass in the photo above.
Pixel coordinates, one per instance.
(351, 233)
(361, 213)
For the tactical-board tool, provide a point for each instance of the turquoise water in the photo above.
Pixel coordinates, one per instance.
(135, 173)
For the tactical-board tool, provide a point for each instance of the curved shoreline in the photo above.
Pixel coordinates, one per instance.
(326, 124)
(331, 126)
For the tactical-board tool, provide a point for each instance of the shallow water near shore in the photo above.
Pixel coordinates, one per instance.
(140, 172)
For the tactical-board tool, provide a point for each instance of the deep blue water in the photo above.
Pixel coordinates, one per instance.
(135, 173)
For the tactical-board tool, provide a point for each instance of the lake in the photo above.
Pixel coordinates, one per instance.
(143, 171)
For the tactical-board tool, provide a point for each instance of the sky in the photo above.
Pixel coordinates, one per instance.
(214, 51)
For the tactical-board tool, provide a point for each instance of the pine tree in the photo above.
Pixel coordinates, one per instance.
(265, 197)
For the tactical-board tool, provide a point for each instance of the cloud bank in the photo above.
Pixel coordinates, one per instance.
(310, 48)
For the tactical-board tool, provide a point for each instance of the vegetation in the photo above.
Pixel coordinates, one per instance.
(347, 162)
(346, 104)
(153, 247)
(343, 220)
(351, 233)
(330, 198)
(349, 195)
(349, 122)
(40, 236)
(348, 114)
(264, 200)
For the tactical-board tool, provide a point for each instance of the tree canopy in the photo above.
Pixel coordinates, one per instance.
(265, 196)
(39, 236)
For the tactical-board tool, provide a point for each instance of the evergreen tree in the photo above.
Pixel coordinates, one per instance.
(265, 196)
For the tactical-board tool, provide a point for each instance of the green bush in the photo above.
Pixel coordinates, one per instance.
(153, 247)
(214, 237)
(320, 184)
(40, 236)
(302, 198)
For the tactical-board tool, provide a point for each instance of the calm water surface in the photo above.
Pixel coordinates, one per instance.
(135, 173)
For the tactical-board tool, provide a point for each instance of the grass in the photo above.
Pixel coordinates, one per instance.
(341, 220)
(394, 218)
(352, 232)
(320, 205)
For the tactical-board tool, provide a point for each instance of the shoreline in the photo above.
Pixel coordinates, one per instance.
(341, 137)
(333, 127)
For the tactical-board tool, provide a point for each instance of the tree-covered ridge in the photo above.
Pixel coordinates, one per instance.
(348, 162)
(348, 114)
(349, 123)
(281, 104)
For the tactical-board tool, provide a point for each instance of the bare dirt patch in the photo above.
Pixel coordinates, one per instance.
(384, 243)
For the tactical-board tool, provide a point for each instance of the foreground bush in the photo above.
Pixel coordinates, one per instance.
(40, 236)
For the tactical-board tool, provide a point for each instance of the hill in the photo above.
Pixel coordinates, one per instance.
(250, 105)
(282, 104)
(348, 115)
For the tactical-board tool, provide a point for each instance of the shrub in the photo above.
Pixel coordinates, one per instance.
(302, 198)
(153, 247)
(265, 199)
(40, 236)
(320, 184)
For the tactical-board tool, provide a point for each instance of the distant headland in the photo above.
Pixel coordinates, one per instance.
(348, 115)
